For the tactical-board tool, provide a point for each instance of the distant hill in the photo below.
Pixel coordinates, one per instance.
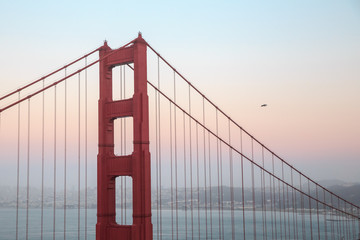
(350, 193)
(347, 191)
(335, 182)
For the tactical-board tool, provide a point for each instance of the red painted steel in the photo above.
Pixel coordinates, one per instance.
(136, 165)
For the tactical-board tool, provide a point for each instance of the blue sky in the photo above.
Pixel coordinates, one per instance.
(300, 57)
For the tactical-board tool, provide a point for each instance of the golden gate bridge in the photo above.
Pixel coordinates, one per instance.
(170, 165)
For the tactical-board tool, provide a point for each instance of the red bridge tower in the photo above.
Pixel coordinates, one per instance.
(136, 165)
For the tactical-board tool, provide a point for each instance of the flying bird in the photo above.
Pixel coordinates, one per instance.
(264, 105)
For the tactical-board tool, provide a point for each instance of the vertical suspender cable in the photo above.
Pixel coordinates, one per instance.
(264, 191)
(311, 230)
(65, 151)
(42, 161)
(346, 223)
(288, 209)
(185, 201)
(302, 210)
(353, 224)
(295, 219)
(271, 207)
(354, 221)
(222, 193)
(191, 172)
(218, 168)
(280, 212)
(343, 220)
(283, 196)
(197, 177)
(54, 204)
(242, 184)
(324, 211)
(205, 192)
(86, 206)
(157, 162)
(274, 194)
(210, 186)
(176, 171)
(262, 194)
(171, 175)
(231, 187)
(332, 222)
(18, 173)
(79, 109)
(253, 186)
(159, 122)
(317, 211)
(352, 227)
(338, 220)
(28, 172)
(358, 210)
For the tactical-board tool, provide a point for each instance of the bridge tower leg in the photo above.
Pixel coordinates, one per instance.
(136, 165)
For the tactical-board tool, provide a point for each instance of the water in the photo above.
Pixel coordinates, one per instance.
(332, 225)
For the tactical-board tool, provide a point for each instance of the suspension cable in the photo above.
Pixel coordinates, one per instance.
(231, 187)
(251, 136)
(218, 171)
(157, 162)
(62, 79)
(65, 151)
(205, 192)
(185, 197)
(42, 162)
(54, 204)
(242, 183)
(253, 187)
(191, 170)
(171, 170)
(283, 196)
(86, 156)
(311, 225)
(18, 174)
(79, 154)
(237, 151)
(317, 212)
(159, 142)
(28, 172)
(263, 202)
(176, 166)
(222, 193)
(210, 186)
(48, 75)
(197, 177)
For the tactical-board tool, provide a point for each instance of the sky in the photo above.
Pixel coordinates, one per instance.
(301, 58)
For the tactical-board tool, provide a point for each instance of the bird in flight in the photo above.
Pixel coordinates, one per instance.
(264, 105)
